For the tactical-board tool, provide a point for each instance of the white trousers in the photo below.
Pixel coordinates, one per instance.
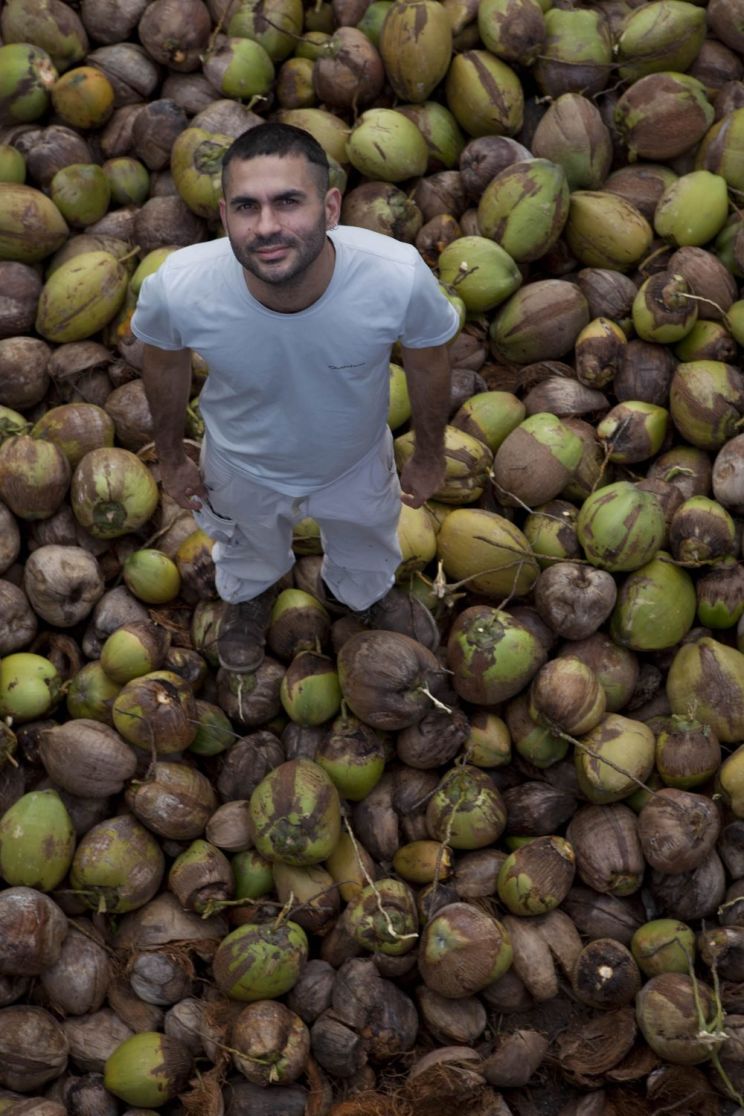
(252, 528)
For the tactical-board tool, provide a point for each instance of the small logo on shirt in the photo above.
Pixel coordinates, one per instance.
(340, 367)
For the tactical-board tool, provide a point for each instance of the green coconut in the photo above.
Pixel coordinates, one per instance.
(524, 208)
(492, 656)
(81, 297)
(31, 226)
(385, 145)
(620, 527)
(706, 680)
(479, 271)
(148, 1069)
(113, 492)
(416, 47)
(484, 94)
(295, 813)
(37, 841)
(27, 73)
(30, 686)
(488, 552)
(260, 961)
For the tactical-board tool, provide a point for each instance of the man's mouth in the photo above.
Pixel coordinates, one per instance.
(271, 251)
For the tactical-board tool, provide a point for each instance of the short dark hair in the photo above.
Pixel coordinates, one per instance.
(278, 139)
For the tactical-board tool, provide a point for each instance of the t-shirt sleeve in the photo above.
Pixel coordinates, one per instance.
(152, 321)
(431, 319)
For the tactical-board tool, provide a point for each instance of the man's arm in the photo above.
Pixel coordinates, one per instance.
(428, 377)
(166, 376)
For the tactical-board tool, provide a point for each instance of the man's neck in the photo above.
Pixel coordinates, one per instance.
(292, 297)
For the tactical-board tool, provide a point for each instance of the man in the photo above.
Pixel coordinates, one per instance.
(295, 318)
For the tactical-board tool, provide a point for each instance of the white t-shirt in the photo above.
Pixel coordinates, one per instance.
(296, 400)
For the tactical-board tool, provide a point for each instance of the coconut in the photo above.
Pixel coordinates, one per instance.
(484, 158)
(21, 287)
(34, 929)
(664, 36)
(577, 54)
(642, 618)
(37, 841)
(554, 452)
(707, 676)
(81, 297)
(384, 208)
(387, 679)
(491, 655)
(484, 94)
(536, 878)
(642, 527)
(33, 1048)
(175, 33)
(706, 402)
(605, 231)
(573, 135)
(674, 1015)
(62, 584)
(174, 801)
(260, 961)
(156, 711)
(31, 226)
(628, 744)
(481, 273)
(117, 866)
(77, 982)
(148, 1069)
(466, 809)
(449, 963)
(112, 492)
(349, 70)
(271, 1043)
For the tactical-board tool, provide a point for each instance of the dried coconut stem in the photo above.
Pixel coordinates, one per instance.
(284, 912)
(615, 766)
(701, 298)
(435, 701)
(444, 844)
(371, 883)
(714, 1031)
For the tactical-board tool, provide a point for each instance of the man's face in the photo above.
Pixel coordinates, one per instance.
(275, 216)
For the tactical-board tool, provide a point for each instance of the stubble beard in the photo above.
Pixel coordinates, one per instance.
(288, 274)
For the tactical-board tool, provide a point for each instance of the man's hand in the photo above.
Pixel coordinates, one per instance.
(420, 478)
(184, 484)
(428, 376)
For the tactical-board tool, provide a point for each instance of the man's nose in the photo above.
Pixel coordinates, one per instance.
(268, 221)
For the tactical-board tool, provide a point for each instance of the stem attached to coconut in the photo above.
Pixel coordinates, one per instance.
(371, 883)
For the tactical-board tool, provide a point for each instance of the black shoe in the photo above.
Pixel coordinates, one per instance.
(242, 635)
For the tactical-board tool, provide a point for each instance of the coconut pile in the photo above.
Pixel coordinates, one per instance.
(492, 866)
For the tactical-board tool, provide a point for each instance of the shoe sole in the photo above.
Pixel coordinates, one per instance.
(240, 668)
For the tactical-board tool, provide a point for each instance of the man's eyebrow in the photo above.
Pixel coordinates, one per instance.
(285, 195)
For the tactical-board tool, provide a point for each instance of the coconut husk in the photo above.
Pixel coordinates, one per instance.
(446, 1089)
(204, 1097)
(500, 376)
(174, 619)
(320, 1094)
(635, 1066)
(533, 374)
(622, 1103)
(371, 1104)
(680, 1090)
(588, 1051)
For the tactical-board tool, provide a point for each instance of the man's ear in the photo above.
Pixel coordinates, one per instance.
(332, 207)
